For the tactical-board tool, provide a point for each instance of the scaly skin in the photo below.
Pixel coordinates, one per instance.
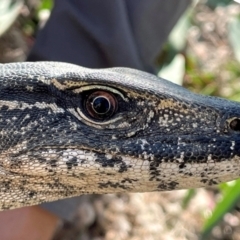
(160, 136)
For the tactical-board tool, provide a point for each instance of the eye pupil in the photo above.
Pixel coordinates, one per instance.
(101, 105)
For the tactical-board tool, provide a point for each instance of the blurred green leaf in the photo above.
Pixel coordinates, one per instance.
(215, 3)
(46, 4)
(175, 70)
(177, 37)
(174, 63)
(224, 187)
(9, 11)
(231, 195)
(234, 36)
(188, 197)
(235, 97)
(234, 68)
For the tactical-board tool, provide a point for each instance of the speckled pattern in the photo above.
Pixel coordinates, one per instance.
(162, 137)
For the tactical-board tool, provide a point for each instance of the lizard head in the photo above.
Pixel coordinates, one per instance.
(68, 130)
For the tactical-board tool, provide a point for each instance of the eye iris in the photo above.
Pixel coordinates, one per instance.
(101, 105)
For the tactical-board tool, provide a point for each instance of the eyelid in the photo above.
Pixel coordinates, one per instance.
(83, 116)
(100, 87)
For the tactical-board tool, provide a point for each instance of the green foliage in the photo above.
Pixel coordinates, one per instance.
(234, 36)
(188, 197)
(199, 81)
(46, 4)
(9, 11)
(215, 3)
(230, 197)
(172, 63)
(31, 25)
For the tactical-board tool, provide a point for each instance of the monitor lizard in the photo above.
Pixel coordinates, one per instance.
(67, 130)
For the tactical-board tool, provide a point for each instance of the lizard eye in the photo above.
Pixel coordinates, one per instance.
(101, 105)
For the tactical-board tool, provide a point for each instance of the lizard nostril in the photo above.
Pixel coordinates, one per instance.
(235, 124)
